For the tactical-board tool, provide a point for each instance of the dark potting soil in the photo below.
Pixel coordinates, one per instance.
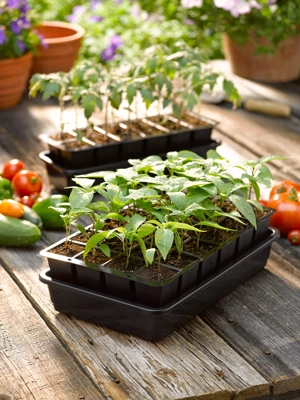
(58, 136)
(152, 273)
(145, 129)
(179, 260)
(165, 122)
(94, 256)
(119, 263)
(199, 249)
(68, 249)
(194, 121)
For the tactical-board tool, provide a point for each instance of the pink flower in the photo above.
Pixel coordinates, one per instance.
(191, 3)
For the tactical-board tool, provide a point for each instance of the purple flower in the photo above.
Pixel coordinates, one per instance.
(2, 35)
(116, 42)
(118, 2)
(14, 3)
(77, 12)
(110, 51)
(24, 22)
(15, 26)
(94, 4)
(108, 54)
(95, 18)
(21, 46)
(24, 7)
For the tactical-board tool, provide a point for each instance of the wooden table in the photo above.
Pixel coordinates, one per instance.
(247, 346)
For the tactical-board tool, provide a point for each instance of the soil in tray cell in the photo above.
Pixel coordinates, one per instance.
(119, 263)
(194, 121)
(179, 261)
(201, 250)
(67, 249)
(152, 272)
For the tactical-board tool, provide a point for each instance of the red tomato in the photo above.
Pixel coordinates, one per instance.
(284, 186)
(263, 202)
(26, 182)
(287, 215)
(35, 197)
(11, 168)
(26, 201)
(294, 237)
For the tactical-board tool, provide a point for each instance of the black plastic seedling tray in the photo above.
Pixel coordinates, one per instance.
(156, 323)
(61, 177)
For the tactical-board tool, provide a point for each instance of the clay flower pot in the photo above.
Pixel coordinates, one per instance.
(282, 66)
(62, 43)
(14, 74)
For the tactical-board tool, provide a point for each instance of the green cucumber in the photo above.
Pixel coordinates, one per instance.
(51, 218)
(31, 216)
(17, 232)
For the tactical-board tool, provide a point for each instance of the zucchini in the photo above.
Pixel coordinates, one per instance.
(17, 232)
(31, 216)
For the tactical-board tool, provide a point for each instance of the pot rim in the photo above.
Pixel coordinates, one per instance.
(78, 30)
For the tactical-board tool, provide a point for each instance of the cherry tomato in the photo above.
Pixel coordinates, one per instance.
(26, 201)
(35, 197)
(284, 186)
(26, 182)
(294, 237)
(11, 208)
(11, 168)
(287, 215)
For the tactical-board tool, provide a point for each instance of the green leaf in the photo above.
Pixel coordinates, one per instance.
(142, 194)
(176, 110)
(130, 93)
(244, 208)
(85, 183)
(134, 223)
(179, 199)
(164, 239)
(148, 97)
(79, 198)
(146, 229)
(150, 255)
(88, 102)
(105, 249)
(93, 241)
(52, 89)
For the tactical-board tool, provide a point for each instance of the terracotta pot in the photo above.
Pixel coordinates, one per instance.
(282, 66)
(62, 41)
(14, 74)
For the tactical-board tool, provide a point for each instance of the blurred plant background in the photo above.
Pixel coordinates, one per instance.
(122, 29)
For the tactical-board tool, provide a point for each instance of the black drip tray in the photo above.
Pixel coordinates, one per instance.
(156, 323)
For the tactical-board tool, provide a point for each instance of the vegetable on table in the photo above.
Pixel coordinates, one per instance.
(287, 215)
(11, 168)
(294, 237)
(17, 232)
(51, 218)
(11, 208)
(26, 182)
(283, 186)
(6, 189)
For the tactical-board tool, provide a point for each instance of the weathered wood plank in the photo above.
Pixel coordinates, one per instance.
(33, 363)
(259, 134)
(261, 318)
